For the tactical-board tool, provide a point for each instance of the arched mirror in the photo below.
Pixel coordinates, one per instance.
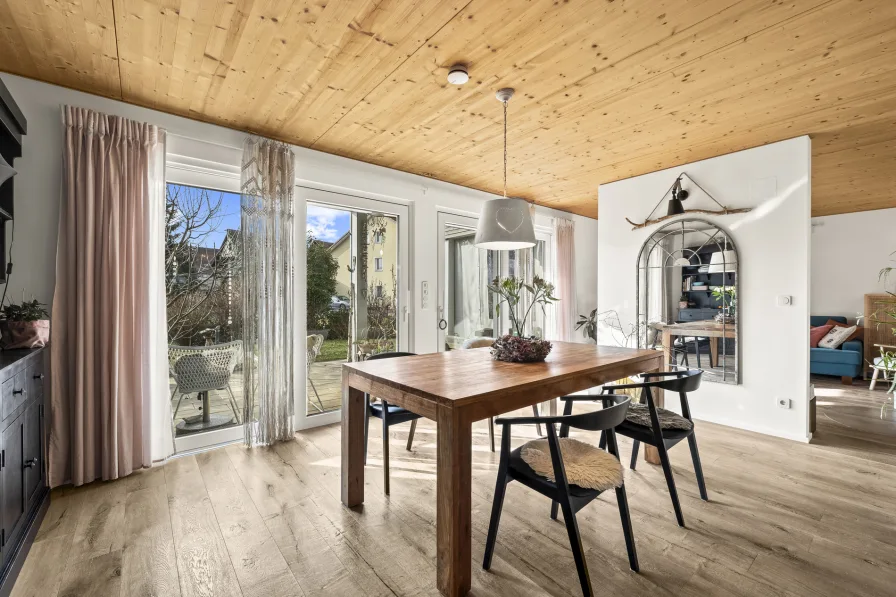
(687, 298)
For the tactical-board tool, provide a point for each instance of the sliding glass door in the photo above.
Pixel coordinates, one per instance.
(355, 298)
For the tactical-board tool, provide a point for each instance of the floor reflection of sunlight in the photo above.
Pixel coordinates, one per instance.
(828, 392)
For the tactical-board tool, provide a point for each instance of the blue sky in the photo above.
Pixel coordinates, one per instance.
(323, 223)
(327, 224)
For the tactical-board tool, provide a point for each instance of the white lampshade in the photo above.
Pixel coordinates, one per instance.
(504, 225)
(6, 171)
(723, 261)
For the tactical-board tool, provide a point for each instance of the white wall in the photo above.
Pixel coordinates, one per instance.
(848, 252)
(773, 244)
(196, 145)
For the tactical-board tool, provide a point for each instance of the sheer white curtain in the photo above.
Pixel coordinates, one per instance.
(565, 279)
(267, 189)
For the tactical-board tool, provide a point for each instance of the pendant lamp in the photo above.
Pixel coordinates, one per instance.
(505, 224)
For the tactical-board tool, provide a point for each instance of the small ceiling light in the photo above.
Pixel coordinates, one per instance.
(458, 74)
(678, 195)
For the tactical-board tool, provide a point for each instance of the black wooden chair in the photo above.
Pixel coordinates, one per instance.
(570, 497)
(390, 415)
(658, 427)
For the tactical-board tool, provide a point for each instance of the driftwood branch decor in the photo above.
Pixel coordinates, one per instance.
(719, 212)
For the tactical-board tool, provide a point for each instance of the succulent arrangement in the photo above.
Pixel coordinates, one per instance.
(516, 347)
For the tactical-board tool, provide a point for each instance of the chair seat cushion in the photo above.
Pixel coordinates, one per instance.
(586, 466)
(639, 414)
(393, 410)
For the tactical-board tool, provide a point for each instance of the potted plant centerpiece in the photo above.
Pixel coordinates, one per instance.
(521, 297)
(26, 325)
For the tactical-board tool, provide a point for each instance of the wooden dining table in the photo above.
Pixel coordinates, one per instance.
(456, 389)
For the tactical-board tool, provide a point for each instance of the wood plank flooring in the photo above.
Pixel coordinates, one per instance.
(785, 519)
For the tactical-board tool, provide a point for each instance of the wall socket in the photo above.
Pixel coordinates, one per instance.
(784, 403)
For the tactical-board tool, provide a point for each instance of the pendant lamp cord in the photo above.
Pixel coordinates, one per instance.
(505, 149)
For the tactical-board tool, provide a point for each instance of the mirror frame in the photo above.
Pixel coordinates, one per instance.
(678, 228)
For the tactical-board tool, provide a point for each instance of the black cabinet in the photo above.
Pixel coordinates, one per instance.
(12, 472)
(24, 495)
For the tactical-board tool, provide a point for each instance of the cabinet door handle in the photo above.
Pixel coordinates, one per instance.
(41, 376)
(22, 391)
(30, 463)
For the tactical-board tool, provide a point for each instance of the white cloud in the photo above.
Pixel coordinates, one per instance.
(325, 223)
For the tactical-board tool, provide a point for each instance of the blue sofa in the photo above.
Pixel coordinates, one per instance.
(845, 361)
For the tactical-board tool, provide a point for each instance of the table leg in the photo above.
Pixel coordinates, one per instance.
(714, 351)
(651, 454)
(353, 421)
(453, 503)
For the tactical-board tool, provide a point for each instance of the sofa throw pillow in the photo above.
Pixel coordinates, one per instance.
(817, 333)
(836, 337)
(859, 334)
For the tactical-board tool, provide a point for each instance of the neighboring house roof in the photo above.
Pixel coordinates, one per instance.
(339, 241)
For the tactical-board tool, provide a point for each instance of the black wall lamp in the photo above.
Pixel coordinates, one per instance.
(678, 195)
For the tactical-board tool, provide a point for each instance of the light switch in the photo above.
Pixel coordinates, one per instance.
(785, 300)
(424, 295)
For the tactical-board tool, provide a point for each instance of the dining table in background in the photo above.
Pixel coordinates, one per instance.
(698, 329)
(456, 389)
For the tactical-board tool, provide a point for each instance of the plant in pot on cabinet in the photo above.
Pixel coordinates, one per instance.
(25, 325)
(521, 297)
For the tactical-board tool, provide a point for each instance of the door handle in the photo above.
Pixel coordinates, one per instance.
(30, 463)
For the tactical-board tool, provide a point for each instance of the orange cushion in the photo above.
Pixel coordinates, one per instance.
(859, 334)
(817, 333)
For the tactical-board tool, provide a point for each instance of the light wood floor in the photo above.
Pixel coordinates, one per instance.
(784, 519)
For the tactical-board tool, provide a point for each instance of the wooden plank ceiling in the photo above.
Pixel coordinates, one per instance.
(605, 89)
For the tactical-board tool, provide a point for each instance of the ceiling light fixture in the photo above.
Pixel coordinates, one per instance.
(458, 74)
(505, 224)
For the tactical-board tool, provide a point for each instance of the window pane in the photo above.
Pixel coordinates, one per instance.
(352, 297)
(203, 267)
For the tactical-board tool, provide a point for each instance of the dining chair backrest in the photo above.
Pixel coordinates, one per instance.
(599, 420)
(687, 380)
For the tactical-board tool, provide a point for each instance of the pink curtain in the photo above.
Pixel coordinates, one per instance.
(102, 304)
(565, 261)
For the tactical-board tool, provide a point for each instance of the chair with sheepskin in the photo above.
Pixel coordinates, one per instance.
(570, 472)
(647, 423)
